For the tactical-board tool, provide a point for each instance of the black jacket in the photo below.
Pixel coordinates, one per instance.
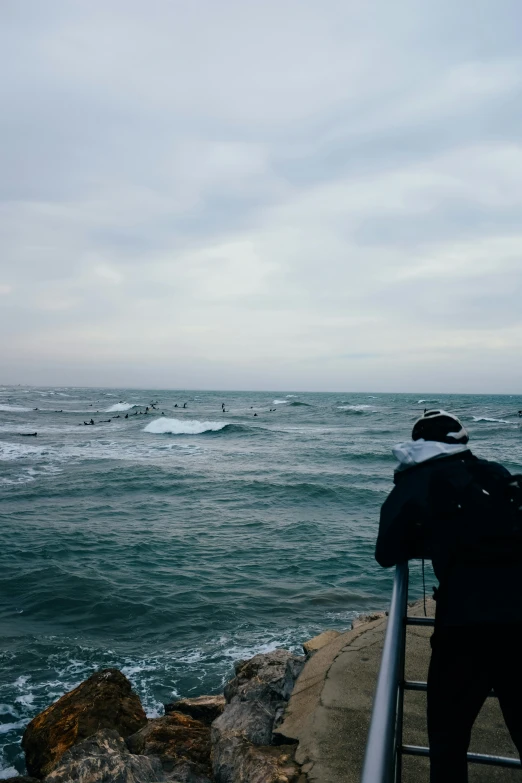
(423, 517)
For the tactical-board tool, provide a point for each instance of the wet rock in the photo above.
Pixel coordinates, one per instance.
(203, 708)
(104, 757)
(256, 700)
(104, 701)
(180, 742)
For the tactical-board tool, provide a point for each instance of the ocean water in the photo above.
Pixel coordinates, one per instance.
(171, 546)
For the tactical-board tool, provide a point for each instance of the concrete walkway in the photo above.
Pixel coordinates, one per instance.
(329, 710)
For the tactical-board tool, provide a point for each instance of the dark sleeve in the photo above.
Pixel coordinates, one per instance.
(403, 527)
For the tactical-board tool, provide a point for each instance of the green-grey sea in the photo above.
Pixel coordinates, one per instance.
(172, 545)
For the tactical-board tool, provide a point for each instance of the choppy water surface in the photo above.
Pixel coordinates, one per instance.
(170, 546)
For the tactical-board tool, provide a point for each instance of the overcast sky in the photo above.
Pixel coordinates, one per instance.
(262, 194)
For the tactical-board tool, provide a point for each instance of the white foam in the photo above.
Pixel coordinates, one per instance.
(290, 395)
(280, 402)
(354, 407)
(11, 451)
(178, 427)
(27, 699)
(14, 409)
(8, 772)
(120, 406)
(419, 402)
(487, 418)
(7, 727)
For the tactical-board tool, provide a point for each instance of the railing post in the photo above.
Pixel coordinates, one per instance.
(381, 748)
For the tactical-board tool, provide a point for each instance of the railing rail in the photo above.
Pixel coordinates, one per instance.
(384, 747)
(381, 749)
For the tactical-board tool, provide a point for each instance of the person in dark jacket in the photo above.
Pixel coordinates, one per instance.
(450, 506)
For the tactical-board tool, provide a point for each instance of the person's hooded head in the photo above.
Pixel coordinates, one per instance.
(441, 426)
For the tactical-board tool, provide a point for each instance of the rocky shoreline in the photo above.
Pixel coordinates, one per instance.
(99, 733)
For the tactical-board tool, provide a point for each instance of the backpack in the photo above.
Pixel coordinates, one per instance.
(483, 510)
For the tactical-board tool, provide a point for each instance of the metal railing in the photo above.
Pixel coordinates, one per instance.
(384, 747)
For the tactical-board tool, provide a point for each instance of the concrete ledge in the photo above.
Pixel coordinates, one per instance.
(329, 710)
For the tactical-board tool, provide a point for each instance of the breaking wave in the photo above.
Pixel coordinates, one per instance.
(419, 402)
(120, 406)
(14, 409)
(280, 402)
(166, 426)
(296, 402)
(488, 418)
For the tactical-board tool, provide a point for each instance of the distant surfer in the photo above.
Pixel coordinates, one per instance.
(184, 404)
(126, 415)
(176, 405)
(255, 414)
(28, 434)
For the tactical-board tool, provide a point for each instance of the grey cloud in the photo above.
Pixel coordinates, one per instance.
(217, 178)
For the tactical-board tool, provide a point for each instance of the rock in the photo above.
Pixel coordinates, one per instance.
(367, 618)
(256, 700)
(203, 708)
(104, 701)
(104, 757)
(239, 761)
(185, 772)
(251, 720)
(176, 739)
(266, 677)
(320, 641)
